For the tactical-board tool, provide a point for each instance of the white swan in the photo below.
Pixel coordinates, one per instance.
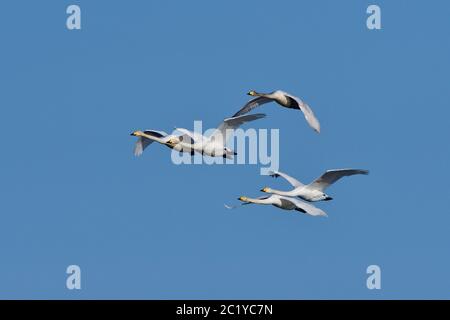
(145, 138)
(285, 100)
(285, 203)
(215, 144)
(315, 190)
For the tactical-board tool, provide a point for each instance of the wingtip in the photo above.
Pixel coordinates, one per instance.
(316, 127)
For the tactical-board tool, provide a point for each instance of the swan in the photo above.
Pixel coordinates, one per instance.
(214, 145)
(147, 137)
(285, 203)
(285, 100)
(315, 190)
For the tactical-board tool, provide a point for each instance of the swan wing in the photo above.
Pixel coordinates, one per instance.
(224, 131)
(304, 207)
(143, 142)
(331, 176)
(252, 104)
(307, 112)
(294, 182)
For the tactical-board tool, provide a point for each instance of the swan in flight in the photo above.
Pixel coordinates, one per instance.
(285, 203)
(285, 100)
(215, 144)
(147, 137)
(315, 190)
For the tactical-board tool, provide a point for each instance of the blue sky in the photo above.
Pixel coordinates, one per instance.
(73, 193)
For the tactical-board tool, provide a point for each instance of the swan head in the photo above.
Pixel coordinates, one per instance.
(244, 199)
(137, 133)
(252, 93)
(266, 190)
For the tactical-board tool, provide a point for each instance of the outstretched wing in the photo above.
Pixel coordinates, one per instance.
(331, 176)
(224, 131)
(294, 182)
(143, 142)
(304, 207)
(307, 112)
(252, 104)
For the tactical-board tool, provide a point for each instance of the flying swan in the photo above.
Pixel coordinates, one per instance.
(285, 100)
(315, 190)
(285, 203)
(215, 144)
(191, 142)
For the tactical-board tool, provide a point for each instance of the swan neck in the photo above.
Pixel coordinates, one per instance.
(281, 192)
(259, 201)
(259, 94)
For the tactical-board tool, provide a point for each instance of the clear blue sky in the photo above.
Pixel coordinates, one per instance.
(73, 193)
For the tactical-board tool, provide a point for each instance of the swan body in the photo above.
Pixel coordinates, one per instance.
(285, 203)
(215, 144)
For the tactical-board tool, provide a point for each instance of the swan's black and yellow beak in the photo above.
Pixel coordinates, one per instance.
(251, 93)
(133, 134)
